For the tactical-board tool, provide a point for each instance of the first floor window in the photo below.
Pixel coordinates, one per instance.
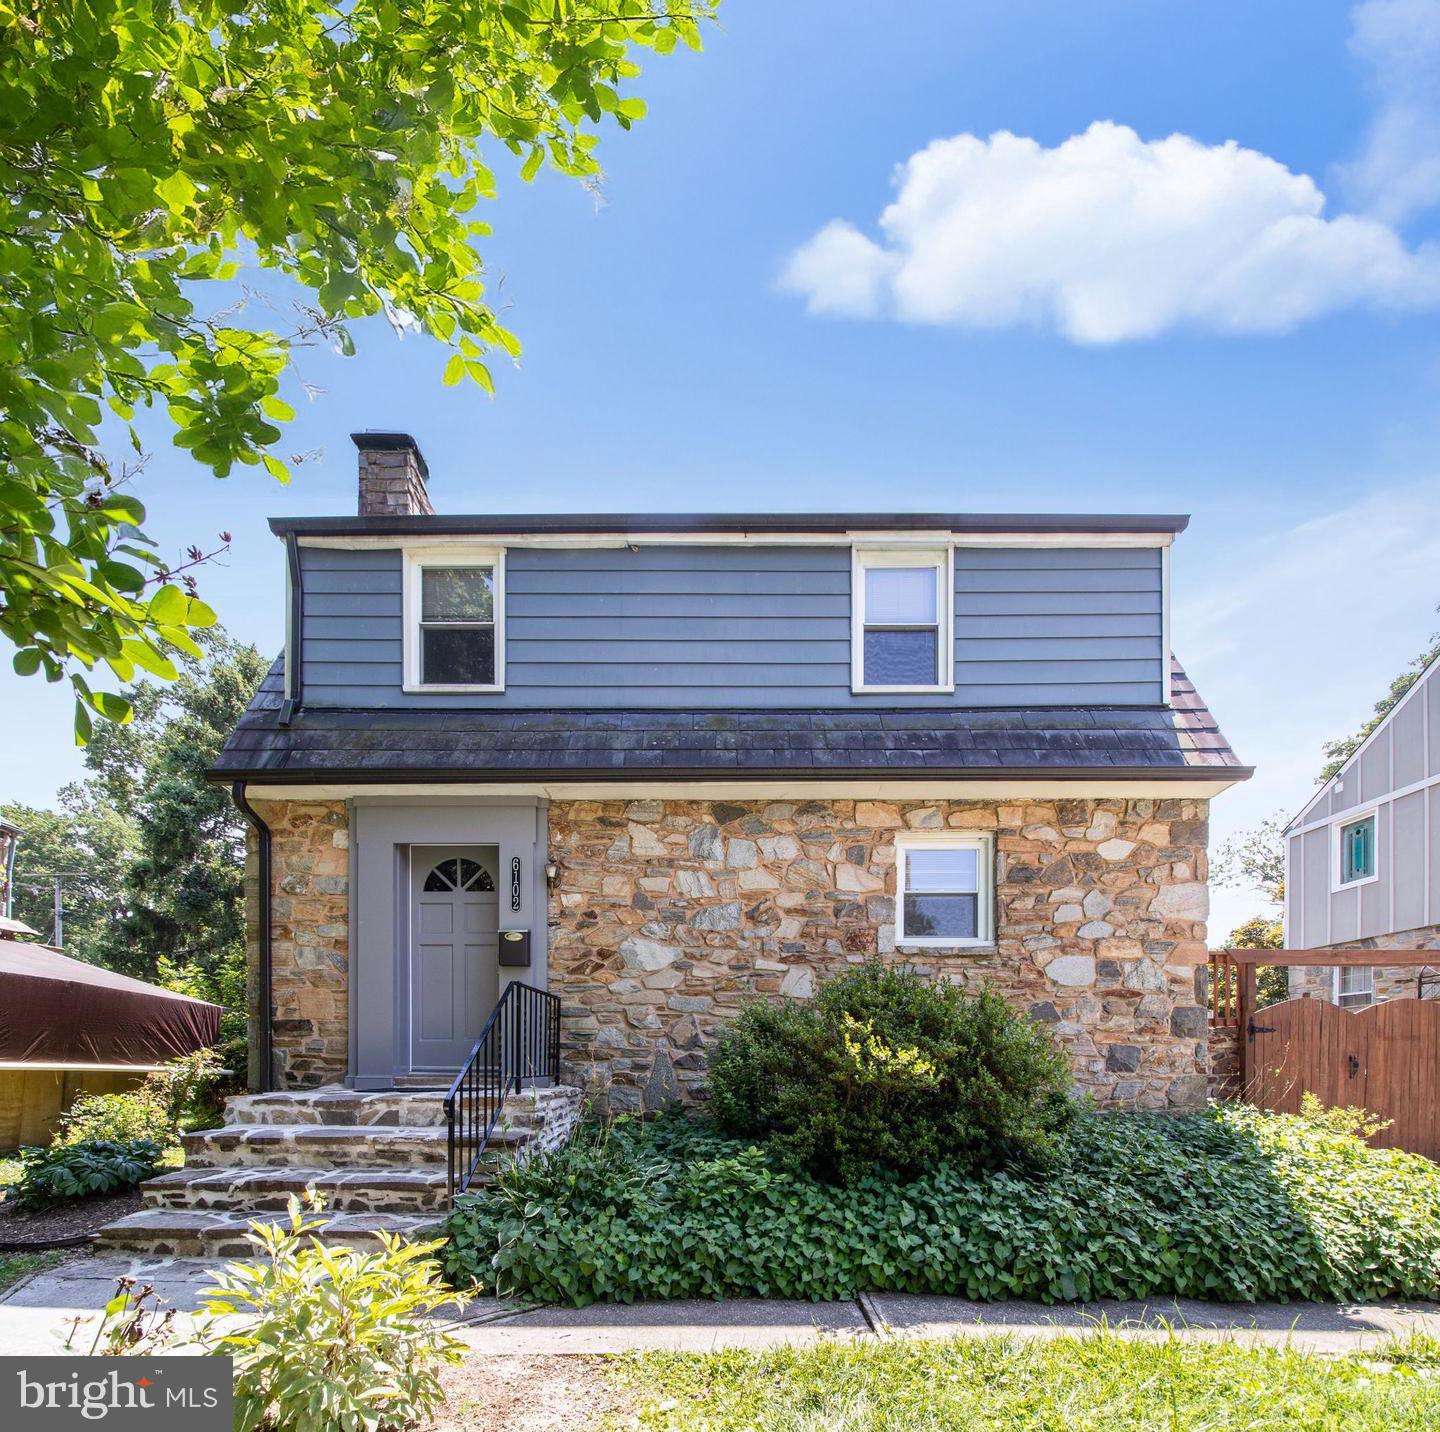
(944, 891)
(902, 621)
(1356, 985)
(1357, 850)
(455, 615)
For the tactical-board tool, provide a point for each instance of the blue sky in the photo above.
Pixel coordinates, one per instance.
(680, 355)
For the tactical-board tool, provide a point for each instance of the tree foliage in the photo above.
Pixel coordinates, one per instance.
(1255, 859)
(87, 845)
(150, 147)
(1338, 752)
(152, 856)
(183, 912)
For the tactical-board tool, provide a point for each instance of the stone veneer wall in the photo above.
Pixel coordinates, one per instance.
(310, 956)
(667, 916)
(1227, 1066)
(1391, 981)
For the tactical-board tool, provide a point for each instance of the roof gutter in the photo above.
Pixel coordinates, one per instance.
(628, 775)
(266, 981)
(489, 524)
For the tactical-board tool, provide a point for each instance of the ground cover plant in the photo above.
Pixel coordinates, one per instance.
(885, 1067)
(80, 1170)
(1230, 1204)
(1066, 1384)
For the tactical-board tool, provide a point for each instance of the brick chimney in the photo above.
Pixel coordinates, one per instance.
(392, 475)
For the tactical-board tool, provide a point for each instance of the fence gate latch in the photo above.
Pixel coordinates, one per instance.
(1354, 1062)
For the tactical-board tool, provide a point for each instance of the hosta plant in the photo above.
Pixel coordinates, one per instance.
(330, 1339)
(66, 1171)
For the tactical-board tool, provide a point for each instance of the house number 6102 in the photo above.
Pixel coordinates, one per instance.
(515, 882)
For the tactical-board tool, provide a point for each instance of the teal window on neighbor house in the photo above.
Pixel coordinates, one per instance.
(1357, 850)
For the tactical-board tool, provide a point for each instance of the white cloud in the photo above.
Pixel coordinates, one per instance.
(1397, 173)
(1107, 237)
(1293, 633)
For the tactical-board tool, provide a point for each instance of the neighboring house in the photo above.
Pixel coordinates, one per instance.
(1363, 858)
(694, 759)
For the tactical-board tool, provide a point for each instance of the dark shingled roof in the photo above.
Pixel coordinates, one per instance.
(510, 745)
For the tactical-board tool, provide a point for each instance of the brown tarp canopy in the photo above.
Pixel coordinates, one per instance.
(55, 1010)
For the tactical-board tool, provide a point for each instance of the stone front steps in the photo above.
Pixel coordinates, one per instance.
(266, 1190)
(197, 1233)
(378, 1160)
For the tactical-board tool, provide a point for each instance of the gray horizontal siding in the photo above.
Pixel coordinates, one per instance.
(737, 626)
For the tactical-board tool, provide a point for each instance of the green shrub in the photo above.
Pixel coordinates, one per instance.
(1229, 1205)
(115, 1118)
(65, 1171)
(326, 1338)
(153, 1111)
(888, 1067)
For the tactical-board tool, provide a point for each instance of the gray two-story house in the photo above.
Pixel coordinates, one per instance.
(1363, 859)
(660, 764)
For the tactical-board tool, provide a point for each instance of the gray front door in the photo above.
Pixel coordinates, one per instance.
(454, 951)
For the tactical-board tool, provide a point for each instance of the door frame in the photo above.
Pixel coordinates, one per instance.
(420, 856)
(383, 830)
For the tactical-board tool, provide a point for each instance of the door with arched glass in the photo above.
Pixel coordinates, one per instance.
(454, 952)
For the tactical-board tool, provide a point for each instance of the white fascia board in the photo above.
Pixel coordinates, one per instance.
(1293, 828)
(643, 789)
(1358, 812)
(908, 536)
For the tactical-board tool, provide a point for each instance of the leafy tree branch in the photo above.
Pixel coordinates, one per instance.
(153, 146)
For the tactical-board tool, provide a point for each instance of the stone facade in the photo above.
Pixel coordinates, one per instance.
(1227, 1062)
(668, 915)
(310, 954)
(1391, 981)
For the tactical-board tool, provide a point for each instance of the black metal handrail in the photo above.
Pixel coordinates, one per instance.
(520, 1042)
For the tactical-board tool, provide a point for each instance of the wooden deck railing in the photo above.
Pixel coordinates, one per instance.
(1224, 991)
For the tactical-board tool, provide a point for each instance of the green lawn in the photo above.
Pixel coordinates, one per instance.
(1002, 1384)
(14, 1266)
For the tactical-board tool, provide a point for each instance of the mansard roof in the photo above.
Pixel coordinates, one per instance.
(1181, 741)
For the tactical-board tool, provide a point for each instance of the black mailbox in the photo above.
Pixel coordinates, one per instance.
(515, 947)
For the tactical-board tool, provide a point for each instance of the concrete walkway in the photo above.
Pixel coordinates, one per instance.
(34, 1311)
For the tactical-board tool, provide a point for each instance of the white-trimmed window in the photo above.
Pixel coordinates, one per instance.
(901, 626)
(945, 891)
(455, 619)
(1356, 851)
(1354, 985)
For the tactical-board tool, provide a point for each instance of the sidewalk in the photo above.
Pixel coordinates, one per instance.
(33, 1311)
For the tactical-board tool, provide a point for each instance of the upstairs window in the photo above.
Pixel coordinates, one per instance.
(901, 621)
(1357, 851)
(944, 891)
(454, 622)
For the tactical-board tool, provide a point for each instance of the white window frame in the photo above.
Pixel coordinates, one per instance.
(942, 560)
(984, 899)
(1337, 848)
(416, 560)
(1353, 995)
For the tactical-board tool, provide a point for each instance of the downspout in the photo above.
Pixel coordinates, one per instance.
(266, 1002)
